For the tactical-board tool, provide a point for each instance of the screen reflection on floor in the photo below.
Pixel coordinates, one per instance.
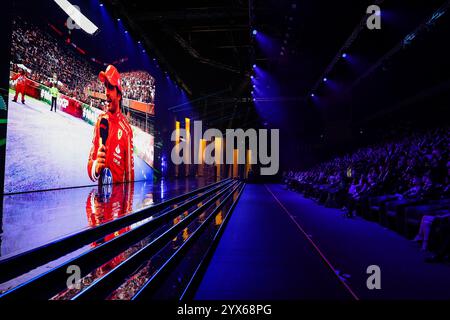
(36, 218)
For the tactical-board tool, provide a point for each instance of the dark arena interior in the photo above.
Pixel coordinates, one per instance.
(200, 152)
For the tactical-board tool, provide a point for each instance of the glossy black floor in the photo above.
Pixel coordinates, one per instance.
(33, 219)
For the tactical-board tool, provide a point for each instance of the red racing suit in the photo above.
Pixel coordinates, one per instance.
(20, 85)
(119, 148)
(100, 210)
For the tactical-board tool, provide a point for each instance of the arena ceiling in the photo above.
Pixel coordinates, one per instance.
(208, 46)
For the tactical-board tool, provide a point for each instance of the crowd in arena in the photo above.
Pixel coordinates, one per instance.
(51, 61)
(403, 184)
(137, 85)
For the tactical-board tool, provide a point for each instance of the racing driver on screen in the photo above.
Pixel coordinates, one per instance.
(111, 156)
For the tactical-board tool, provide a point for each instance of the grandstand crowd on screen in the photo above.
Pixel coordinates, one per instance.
(52, 61)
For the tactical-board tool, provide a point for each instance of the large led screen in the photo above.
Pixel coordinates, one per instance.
(81, 105)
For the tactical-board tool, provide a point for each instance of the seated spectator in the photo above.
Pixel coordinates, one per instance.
(356, 190)
(430, 190)
(414, 191)
(425, 228)
(444, 248)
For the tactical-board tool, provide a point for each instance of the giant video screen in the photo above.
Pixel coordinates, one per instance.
(81, 106)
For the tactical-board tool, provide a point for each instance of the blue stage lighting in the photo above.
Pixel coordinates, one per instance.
(344, 55)
(254, 66)
(325, 79)
(255, 32)
(313, 95)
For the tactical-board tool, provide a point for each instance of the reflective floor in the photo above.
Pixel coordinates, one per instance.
(33, 219)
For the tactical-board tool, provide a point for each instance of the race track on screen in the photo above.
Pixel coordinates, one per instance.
(49, 150)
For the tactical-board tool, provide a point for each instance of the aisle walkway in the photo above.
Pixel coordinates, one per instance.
(264, 255)
(354, 244)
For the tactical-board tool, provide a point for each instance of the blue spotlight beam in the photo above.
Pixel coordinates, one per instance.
(400, 45)
(279, 99)
(361, 26)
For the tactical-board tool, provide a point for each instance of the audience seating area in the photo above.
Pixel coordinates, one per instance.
(403, 185)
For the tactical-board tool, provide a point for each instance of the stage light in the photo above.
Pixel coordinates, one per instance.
(325, 79)
(254, 66)
(254, 86)
(252, 77)
(118, 19)
(79, 18)
(313, 95)
(101, 4)
(252, 92)
(139, 42)
(126, 31)
(344, 55)
(255, 32)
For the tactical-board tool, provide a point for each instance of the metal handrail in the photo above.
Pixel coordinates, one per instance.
(100, 288)
(194, 282)
(149, 287)
(26, 261)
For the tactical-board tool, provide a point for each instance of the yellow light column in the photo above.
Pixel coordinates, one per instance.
(218, 152)
(187, 154)
(177, 144)
(235, 163)
(201, 155)
(248, 164)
